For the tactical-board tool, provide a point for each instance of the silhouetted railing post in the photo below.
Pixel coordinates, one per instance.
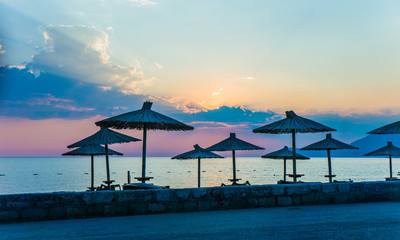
(198, 172)
(294, 155)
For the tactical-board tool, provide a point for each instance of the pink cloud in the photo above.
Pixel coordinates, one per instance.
(49, 137)
(181, 103)
(202, 125)
(50, 100)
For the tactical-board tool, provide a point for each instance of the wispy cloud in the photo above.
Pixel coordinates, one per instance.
(158, 66)
(50, 100)
(73, 108)
(119, 107)
(216, 125)
(2, 51)
(248, 78)
(110, 29)
(81, 14)
(106, 88)
(218, 92)
(142, 2)
(14, 66)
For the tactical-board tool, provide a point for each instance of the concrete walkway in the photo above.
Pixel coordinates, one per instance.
(346, 221)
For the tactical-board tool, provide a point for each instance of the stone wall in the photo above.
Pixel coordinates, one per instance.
(67, 205)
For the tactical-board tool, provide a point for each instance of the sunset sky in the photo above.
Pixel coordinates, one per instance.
(221, 66)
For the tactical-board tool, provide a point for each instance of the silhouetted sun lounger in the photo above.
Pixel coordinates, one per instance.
(235, 184)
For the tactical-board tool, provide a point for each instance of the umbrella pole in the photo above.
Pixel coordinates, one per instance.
(234, 166)
(284, 169)
(198, 172)
(92, 172)
(144, 153)
(390, 165)
(107, 168)
(329, 165)
(294, 155)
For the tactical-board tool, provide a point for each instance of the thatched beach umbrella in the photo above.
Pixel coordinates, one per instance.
(104, 137)
(329, 144)
(144, 119)
(388, 150)
(393, 128)
(92, 150)
(293, 124)
(233, 144)
(198, 153)
(284, 154)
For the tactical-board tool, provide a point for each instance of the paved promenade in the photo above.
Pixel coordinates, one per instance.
(346, 221)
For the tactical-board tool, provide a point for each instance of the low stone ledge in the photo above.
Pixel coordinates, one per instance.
(279, 189)
(343, 188)
(162, 195)
(182, 194)
(329, 188)
(298, 189)
(260, 191)
(67, 205)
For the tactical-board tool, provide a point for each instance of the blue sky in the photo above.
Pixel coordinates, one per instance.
(221, 65)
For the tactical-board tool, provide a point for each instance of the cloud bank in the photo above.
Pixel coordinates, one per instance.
(81, 52)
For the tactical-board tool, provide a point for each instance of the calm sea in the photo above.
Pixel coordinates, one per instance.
(32, 175)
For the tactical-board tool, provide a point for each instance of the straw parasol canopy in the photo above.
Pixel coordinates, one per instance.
(388, 150)
(284, 154)
(293, 124)
(329, 144)
(393, 128)
(198, 153)
(104, 137)
(144, 119)
(233, 144)
(92, 150)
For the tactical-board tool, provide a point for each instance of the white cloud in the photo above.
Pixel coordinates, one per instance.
(81, 52)
(158, 66)
(110, 29)
(2, 51)
(80, 13)
(180, 103)
(142, 2)
(105, 88)
(216, 93)
(20, 67)
(118, 107)
(248, 78)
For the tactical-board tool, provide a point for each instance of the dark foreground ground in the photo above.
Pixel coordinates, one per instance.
(346, 221)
